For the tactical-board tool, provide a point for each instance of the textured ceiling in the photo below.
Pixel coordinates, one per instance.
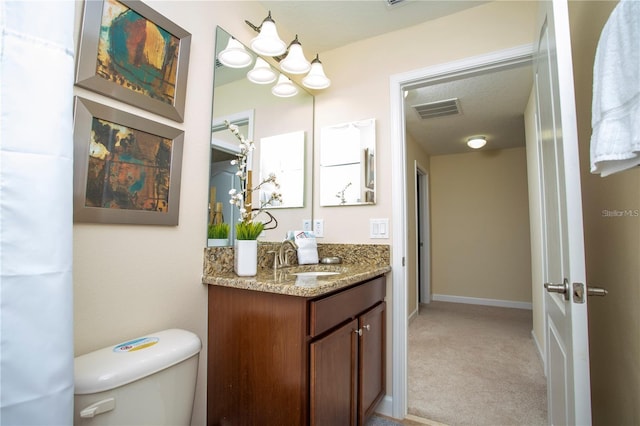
(325, 25)
(491, 105)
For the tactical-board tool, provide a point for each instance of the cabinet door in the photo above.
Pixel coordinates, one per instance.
(333, 377)
(371, 361)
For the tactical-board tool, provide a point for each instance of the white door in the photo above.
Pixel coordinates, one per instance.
(567, 351)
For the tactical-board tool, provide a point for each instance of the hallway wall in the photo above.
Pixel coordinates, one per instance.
(480, 225)
(414, 154)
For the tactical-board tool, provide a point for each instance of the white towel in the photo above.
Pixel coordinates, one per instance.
(615, 119)
(307, 247)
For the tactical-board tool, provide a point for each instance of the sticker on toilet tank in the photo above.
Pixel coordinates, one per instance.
(136, 344)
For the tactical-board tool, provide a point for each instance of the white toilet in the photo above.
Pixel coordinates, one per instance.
(150, 380)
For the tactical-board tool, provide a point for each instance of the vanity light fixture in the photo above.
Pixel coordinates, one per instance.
(477, 142)
(268, 42)
(284, 88)
(316, 79)
(262, 73)
(235, 55)
(295, 62)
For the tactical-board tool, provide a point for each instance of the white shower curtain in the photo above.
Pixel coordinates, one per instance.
(36, 168)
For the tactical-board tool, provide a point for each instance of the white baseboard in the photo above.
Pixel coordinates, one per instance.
(540, 353)
(412, 315)
(480, 301)
(385, 407)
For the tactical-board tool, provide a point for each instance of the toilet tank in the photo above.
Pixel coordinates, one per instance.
(149, 380)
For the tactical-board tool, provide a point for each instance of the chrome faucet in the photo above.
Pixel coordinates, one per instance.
(281, 258)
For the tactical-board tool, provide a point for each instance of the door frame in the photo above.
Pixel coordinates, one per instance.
(423, 273)
(475, 65)
(239, 119)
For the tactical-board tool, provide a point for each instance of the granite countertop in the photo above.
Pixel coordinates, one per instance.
(282, 281)
(363, 262)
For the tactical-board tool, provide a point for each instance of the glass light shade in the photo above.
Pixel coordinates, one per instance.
(477, 143)
(284, 88)
(261, 73)
(295, 62)
(316, 79)
(268, 43)
(235, 55)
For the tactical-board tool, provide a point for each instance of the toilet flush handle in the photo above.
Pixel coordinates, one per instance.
(98, 408)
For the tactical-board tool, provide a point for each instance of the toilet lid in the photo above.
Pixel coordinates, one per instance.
(117, 365)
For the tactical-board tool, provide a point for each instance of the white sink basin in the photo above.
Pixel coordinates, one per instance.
(315, 273)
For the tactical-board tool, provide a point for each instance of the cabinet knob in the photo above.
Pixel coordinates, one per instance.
(359, 330)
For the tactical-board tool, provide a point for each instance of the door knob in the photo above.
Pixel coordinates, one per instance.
(578, 290)
(559, 288)
(596, 291)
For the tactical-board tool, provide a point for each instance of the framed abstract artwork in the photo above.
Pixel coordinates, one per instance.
(130, 52)
(126, 168)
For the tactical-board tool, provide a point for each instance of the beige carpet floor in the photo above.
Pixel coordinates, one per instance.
(475, 365)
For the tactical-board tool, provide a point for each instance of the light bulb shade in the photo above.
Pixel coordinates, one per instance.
(316, 79)
(477, 143)
(235, 55)
(284, 88)
(268, 43)
(295, 62)
(261, 73)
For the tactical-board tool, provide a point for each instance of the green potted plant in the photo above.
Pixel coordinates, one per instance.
(218, 234)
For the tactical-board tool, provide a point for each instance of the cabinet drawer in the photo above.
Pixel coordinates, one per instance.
(330, 311)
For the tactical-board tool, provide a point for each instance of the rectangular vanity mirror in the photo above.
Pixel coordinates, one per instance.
(280, 127)
(347, 163)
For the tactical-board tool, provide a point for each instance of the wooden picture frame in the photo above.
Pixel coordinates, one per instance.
(127, 169)
(131, 53)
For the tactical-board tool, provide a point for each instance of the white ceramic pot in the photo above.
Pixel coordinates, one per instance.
(218, 242)
(245, 258)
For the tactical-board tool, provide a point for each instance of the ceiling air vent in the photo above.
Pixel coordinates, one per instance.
(393, 2)
(438, 108)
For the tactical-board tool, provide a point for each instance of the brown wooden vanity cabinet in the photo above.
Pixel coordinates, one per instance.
(276, 359)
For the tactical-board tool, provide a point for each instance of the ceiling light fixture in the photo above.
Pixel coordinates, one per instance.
(284, 88)
(477, 142)
(262, 73)
(267, 43)
(295, 62)
(316, 79)
(235, 55)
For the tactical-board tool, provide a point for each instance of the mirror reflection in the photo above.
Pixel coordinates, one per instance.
(283, 157)
(224, 147)
(265, 119)
(347, 164)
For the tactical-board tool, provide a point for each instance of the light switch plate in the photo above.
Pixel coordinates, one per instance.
(379, 228)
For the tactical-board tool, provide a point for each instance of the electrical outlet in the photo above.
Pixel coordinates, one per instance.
(318, 228)
(306, 225)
